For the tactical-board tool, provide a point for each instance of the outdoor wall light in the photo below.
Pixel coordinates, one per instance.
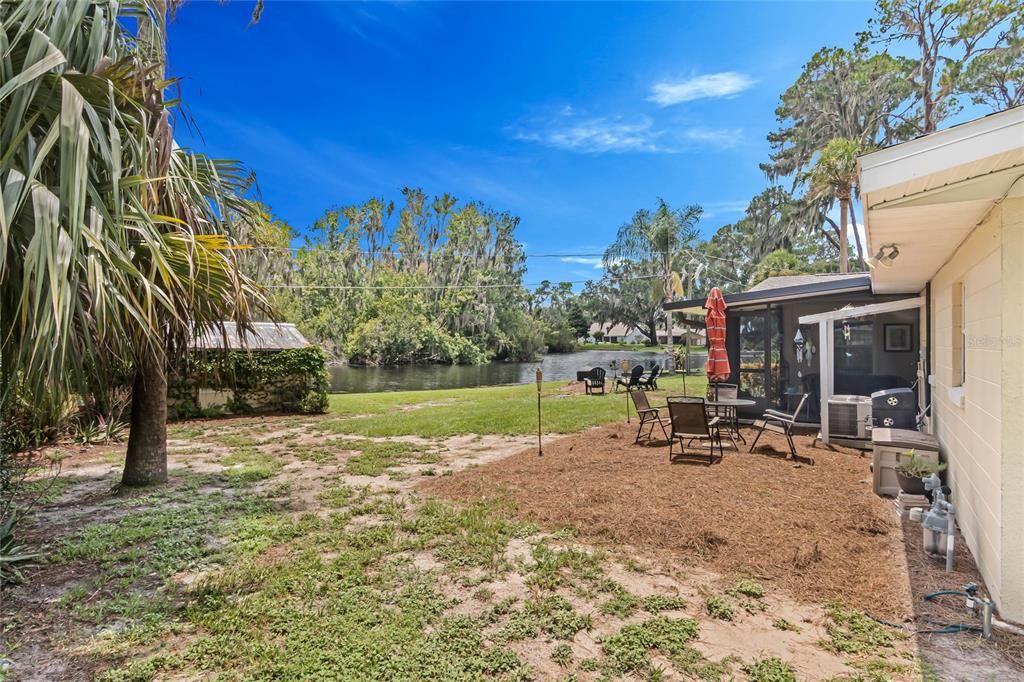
(885, 256)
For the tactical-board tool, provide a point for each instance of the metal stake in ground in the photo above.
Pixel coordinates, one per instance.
(540, 380)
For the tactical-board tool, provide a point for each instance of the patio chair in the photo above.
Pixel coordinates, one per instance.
(594, 381)
(649, 416)
(632, 381)
(690, 422)
(651, 380)
(780, 422)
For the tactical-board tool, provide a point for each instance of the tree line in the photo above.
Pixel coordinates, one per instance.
(917, 64)
(431, 280)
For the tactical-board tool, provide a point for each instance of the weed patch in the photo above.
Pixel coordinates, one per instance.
(718, 607)
(770, 670)
(375, 458)
(629, 649)
(854, 632)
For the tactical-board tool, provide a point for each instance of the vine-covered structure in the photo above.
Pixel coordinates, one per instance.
(273, 369)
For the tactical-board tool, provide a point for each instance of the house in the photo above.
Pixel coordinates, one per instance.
(945, 217)
(617, 333)
(776, 356)
(620, 333)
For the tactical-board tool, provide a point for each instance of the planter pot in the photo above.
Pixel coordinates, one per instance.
(911, 485)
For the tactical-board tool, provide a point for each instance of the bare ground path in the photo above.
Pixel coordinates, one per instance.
(285, 550)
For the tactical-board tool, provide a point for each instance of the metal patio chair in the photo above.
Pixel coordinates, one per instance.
(649, 416)
(780, 422)
(690, 422)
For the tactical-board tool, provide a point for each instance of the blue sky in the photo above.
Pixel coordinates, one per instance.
(570, 116)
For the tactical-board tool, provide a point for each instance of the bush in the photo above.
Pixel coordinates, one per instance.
(409, 340)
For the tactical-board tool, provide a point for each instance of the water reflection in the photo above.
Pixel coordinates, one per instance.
(557, 367)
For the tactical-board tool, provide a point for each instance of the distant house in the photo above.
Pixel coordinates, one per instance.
(616, 333)
(945, 221)
(620, 333)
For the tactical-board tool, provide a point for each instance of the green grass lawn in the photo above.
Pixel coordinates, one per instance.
(505, 410)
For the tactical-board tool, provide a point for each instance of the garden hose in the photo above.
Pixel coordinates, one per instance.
(948, 628)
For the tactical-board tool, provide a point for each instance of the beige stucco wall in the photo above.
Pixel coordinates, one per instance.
(971, 433)
(1012, 341)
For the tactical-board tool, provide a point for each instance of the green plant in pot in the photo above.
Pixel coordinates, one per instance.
(912, 469)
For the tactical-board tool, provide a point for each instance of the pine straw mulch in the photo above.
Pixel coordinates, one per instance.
(814, 530)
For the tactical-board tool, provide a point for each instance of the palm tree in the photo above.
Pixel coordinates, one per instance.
(115, 248)
(660, 237)
(835, 174)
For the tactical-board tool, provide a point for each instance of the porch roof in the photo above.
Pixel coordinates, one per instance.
(789, 287)
(925, 196)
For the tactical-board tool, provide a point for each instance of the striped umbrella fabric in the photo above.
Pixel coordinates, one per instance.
(718, 359)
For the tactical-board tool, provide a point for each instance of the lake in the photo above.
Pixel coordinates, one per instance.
(556, 366)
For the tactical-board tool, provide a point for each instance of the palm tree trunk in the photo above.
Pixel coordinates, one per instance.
(856, 236)
(146, 460)
(844, 240)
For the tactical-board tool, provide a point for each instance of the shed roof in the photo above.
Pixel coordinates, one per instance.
(265, 336)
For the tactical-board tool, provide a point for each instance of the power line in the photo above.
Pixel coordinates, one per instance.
(325, 252)
(347, 287)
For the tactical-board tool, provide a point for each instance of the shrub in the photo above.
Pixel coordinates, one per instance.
(404, 340)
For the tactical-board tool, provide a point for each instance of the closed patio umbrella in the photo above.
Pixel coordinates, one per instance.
(718, 360)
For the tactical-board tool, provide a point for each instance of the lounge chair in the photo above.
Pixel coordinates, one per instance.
(594, 381)
(651, 380)
(780, 422)
(649, 416)
(689, 423)
(632, 381)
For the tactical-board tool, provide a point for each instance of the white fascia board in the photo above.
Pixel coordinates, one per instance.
(955, 146)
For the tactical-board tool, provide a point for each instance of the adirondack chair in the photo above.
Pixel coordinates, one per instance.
(632, 381)
(594, 381)
(651, 380)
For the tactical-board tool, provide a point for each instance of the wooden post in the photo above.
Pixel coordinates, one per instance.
(540, 381)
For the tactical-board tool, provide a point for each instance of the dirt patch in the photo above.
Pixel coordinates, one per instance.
(814, 530)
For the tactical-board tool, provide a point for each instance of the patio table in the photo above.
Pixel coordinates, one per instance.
(733, 403)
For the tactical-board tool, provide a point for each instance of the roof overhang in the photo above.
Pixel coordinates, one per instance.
(750, 298)
(928, 194)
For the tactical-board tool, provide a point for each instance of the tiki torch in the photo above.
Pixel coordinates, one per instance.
(540, 380)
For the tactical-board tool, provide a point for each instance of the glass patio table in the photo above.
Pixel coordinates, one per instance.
(731, 404)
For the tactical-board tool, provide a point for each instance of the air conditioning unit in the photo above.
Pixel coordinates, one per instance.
(849, 416)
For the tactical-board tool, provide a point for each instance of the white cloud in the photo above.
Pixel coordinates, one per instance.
(717, 208)
(594, 134)
(708, 86)
(572, 131)
(595, 262)
(723, 138)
